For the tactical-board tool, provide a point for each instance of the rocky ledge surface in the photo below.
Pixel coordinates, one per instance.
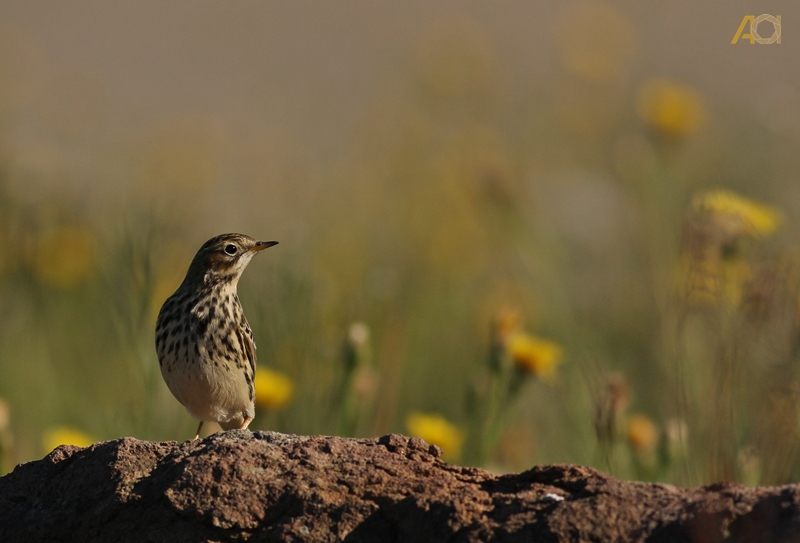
(265, 486)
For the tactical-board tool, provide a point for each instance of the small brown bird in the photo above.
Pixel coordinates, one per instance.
(205, 346)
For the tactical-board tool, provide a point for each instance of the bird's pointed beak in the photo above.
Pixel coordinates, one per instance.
(261, 245)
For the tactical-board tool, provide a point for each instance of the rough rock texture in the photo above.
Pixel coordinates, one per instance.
(264, 486)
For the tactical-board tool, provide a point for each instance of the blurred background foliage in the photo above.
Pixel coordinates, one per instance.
(536, 233)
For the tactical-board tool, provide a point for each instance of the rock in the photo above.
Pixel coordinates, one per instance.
(265, 486)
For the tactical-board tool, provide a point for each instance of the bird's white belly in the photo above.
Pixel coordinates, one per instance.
(210, 392)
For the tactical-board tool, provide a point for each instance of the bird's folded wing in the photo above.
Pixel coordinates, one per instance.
(249, 344)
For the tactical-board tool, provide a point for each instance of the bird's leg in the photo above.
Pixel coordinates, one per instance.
(199, 426)
(246, 423)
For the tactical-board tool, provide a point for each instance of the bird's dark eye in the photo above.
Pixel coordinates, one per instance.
(230, 249)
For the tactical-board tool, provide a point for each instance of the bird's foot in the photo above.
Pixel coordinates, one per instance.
(197, 434)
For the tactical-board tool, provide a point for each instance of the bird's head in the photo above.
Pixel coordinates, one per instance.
(224, 258)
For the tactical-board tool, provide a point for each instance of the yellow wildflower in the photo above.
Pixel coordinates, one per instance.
(642, 434)
(64, 435)
(274, 390)
(718, 234)
(736, 212)
(671, 109)
(535, 355)
(437, 430)
(66, 256)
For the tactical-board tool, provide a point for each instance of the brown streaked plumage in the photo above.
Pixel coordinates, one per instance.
(205, 346)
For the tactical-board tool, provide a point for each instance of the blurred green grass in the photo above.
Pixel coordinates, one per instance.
(464, 195)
